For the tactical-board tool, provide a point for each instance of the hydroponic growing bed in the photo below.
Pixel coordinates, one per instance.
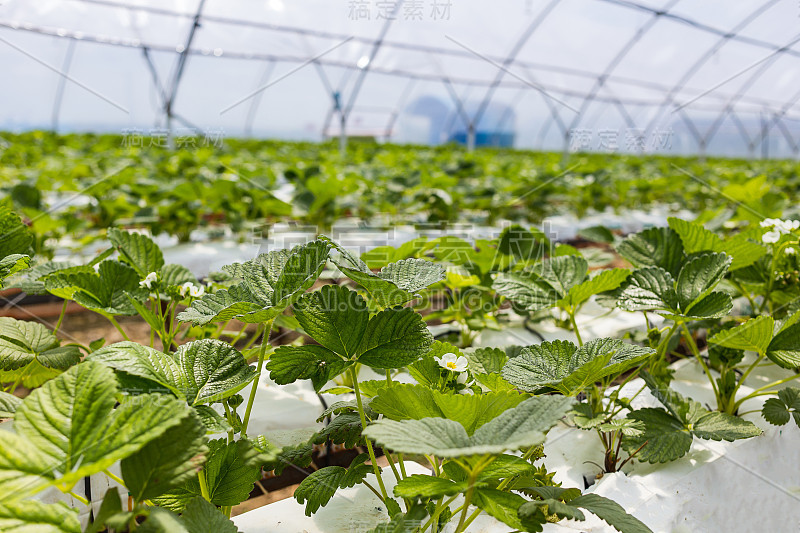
(608, 374)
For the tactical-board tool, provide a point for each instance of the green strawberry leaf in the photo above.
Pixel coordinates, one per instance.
(176, 275)
(137, 250)
(105, 291)
(317, 489)
(31, 516)
(607, 280)
(778, 411)
(287, 364)
(396, 283)
(69, 429)
(668, 434)
(525, 290)
(15, 237)
(649, 289)
(562, 366)
(699, 275)
(11, 264)
(25, 343)
(334, 316)
(394, 338)
(504, 506)
(485, 360)
(518, 427)
(784, 349)
(8, 404)
(654, 247)
(200, 372)
(754, 335)
(166, 462)
(31, 282)
(696, 239)
(231, 470)
(414, 402)
(610, 512)
(201, 516)
(665, 437)
(422, 486)
(269, 284)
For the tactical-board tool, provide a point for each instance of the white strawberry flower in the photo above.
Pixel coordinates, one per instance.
(190, 289)
(196, 292)
(771, 237)
(147, 282)
(451, 362)
(790, 251)
(778, 227)
(770, 222)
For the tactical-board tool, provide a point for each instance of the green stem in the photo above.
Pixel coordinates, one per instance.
(78, 497)
(773, 265)
(662, 346)
(525, 457)
(472, 480)
(252, 339)
(439, 508)
(746, 294)
(471, 518)
(227, 510)
(229, 416)
(261, 355)
(761, 390)
(370, 487)
(696, 352)
(575, 328)
(401, 463)
(375, 467)
(119, 328)
(61, 317)
(201, 476)
(741, 381)
(114, 477)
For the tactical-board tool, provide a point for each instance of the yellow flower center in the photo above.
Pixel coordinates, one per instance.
(451, 365)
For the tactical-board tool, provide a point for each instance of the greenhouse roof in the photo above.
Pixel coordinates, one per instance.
(714, 76)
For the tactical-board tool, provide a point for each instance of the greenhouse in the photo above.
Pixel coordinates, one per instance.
(409, 266)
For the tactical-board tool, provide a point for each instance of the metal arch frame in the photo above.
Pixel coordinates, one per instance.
(461, 111)
(151, 67)
(448, 51)
(255, 101)
(768, 62)
(389, 72)
(781, 113)
(179, 69)
(615, 62)
(725, 38)
(395, 114)
(718, 44)
(509, 60)
(62, 83)
(507, 113)
(376, 46)
(554, 114)
(701, 27)
(794, 146)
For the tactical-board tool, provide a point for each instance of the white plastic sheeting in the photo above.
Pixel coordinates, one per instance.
(673, 75)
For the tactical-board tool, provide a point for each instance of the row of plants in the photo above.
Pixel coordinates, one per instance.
(78, 185)
(171, 414)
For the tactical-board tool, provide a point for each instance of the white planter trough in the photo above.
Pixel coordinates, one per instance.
(747, 485)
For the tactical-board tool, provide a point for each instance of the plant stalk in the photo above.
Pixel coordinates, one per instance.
(201, 477)
(375, 467)
(261, 355)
